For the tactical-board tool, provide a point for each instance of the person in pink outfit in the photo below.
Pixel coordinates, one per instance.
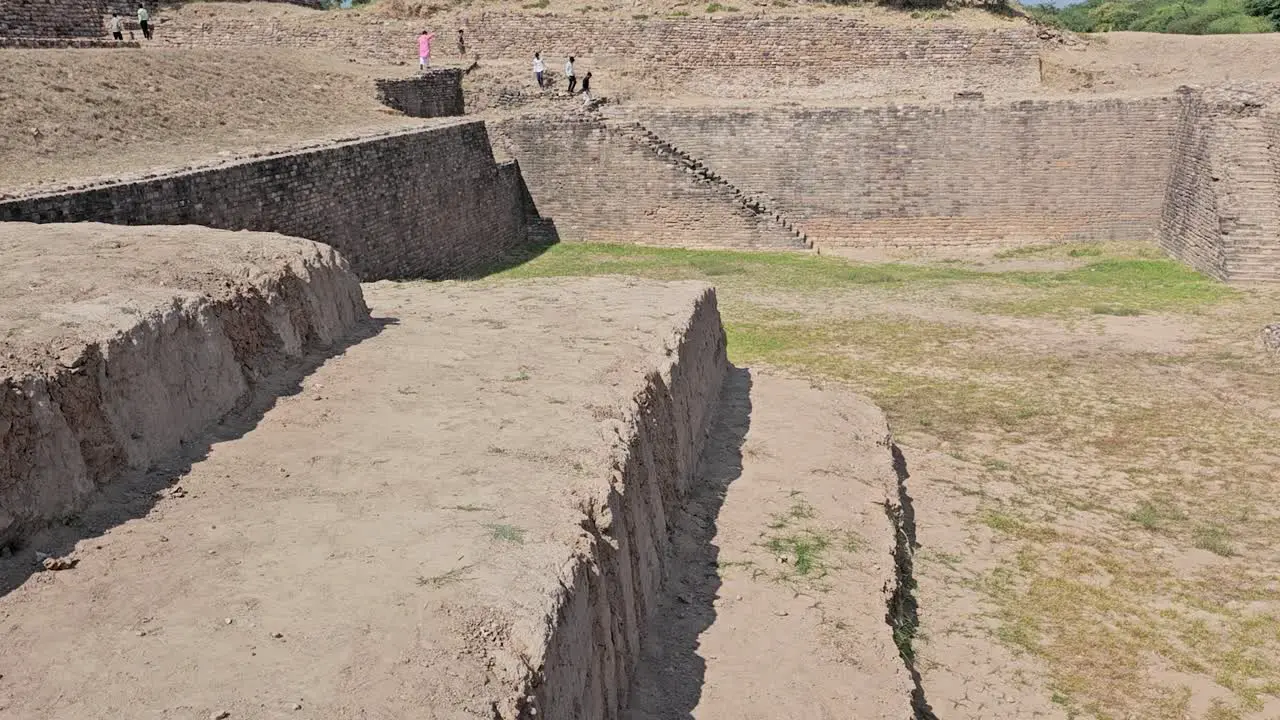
(424, 50)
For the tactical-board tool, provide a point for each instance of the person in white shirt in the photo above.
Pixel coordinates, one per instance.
(538, 69)
(144, 21)
(117, 27)
(568, 72)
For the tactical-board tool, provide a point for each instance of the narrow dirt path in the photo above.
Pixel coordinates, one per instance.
(785, 558)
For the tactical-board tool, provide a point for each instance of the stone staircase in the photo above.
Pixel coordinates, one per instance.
(699, 172)
(1248, 197)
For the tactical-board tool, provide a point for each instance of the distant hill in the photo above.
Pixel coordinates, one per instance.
(1184, 17)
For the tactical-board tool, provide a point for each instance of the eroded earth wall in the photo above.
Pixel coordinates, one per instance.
(957, 174)
(420, 204)
(124, 344)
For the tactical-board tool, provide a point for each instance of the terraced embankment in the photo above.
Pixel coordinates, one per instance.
(122, 345)
(467, 514)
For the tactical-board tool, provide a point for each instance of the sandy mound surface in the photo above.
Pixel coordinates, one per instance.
(78, 114)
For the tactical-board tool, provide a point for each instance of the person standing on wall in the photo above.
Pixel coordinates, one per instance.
(117, 27)
(424, 50)
(586, 89)
(568, 72)
(539, 69)
(462, 45)
(144, 22)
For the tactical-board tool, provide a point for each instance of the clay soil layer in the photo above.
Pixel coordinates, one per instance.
(465, 515)
(121, 345)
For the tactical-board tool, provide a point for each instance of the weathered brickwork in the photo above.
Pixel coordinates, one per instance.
(438, 93)
(1189, 222)
(29, 43)
(962, 174)
(422, 204)
(1222, 206)
(836, 44)
(52, 18)
(602, 184)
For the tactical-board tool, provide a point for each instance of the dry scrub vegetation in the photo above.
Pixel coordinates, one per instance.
(1110, 421)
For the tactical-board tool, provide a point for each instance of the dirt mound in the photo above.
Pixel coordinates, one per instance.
(79, 114)
(464, 516)
(123, 344)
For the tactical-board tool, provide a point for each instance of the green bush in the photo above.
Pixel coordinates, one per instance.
(1186, 17)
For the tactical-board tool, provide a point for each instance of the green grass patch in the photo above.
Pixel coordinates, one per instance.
(789, 270)
(1213, 538)
(716, 7)
(506, 533)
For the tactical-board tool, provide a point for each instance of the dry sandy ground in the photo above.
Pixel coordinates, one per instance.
(1151, 63)
(753, 629)
(383, 542)
(70, 115)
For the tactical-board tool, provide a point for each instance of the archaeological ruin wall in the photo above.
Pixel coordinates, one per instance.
(437, 93)
(839, 46)
(609, 186)
(960, 174)
(1222, 207)
(427, 203)
(30, 19)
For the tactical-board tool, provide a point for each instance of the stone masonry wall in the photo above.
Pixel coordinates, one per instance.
(1189, 228)
(421, 204)
(52, 18)
(438, 93)
(838, 45)
(1222, 206)
(601, 185)
(958, 174)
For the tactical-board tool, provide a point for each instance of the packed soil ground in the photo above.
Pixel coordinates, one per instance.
(75, 115)
(1089, 434)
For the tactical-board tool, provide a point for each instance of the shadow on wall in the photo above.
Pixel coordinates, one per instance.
(129, 498)
(670, 676)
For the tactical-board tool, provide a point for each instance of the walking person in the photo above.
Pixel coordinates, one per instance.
(539, 69)
(462, 45)
(424, 50)
(586, 89)
(144, 21)
(568, 72)
(117, 27)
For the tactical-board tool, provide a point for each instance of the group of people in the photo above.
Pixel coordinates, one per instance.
(540, 71)
(144, 22)
(539, 67)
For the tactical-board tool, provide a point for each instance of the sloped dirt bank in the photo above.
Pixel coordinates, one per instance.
(122, 344)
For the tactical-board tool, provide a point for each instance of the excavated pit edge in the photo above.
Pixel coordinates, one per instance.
(118, 404)
(610, 587)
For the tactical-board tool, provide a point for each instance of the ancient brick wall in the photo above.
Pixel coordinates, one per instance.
(52, 18)
(438, 93)
(420, 204)
(1222, 202)
(956, 174)
(838, 45)
(1189, 228)
(602, 185)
